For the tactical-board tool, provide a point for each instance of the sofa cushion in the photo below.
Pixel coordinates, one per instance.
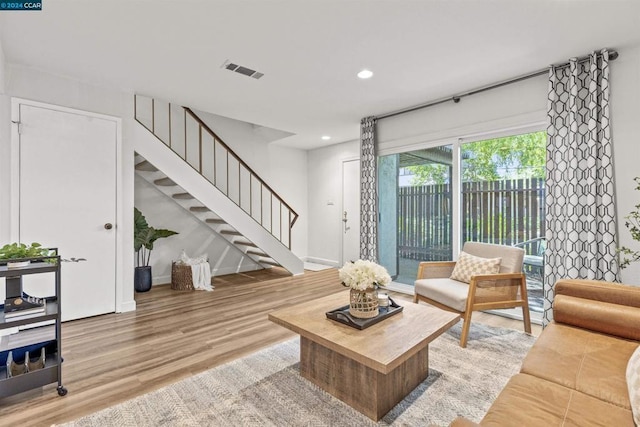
(469, 265)
(633, 384)
(592, 363)
(530, 401)
(446, 291)
(597, 316)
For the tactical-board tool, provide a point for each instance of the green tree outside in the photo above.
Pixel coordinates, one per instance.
(513, 157)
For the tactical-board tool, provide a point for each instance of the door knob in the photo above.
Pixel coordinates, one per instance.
(108, 226)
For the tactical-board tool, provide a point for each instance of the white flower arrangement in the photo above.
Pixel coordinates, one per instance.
(361, 275)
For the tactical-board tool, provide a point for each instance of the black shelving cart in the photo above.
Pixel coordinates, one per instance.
(52, 371)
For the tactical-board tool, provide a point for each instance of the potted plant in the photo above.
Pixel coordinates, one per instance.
(143, 238)
(20, 251)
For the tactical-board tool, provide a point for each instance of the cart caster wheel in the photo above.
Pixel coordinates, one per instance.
(62, 391)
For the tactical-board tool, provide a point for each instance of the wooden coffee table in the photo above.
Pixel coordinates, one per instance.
(371, 369)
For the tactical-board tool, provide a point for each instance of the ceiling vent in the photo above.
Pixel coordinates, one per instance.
(241, 70)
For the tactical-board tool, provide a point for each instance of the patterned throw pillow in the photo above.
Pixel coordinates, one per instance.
(633, 384)
(469, 265)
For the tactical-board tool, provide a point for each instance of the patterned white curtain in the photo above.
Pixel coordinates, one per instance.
(580, 210)
(368, 191)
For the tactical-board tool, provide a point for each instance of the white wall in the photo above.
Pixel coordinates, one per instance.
(2, 68)
(510, 106)
(38, 85)
(276, 163)
(310, 180)
(5, 143)
(5, 167)
(282, 168)
(28, 83)
(289, 179)
(324, 166)
(625, 120)
(194, 237)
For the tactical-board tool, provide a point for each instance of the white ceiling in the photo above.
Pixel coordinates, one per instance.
(310, 51)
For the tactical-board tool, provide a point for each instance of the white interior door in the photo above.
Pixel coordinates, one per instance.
(67, 198)
(350, 210)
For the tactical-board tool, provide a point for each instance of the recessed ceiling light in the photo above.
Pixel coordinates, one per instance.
(365, 74)
(326, 137)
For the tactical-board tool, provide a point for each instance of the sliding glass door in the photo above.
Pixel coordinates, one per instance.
(415, 205)
(432, 200)
(502, 202)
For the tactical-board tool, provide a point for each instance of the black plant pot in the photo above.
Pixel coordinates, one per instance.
(142, 279)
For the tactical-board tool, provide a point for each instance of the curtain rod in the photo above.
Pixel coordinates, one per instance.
(613, 55)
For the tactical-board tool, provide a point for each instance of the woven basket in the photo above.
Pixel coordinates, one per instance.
(364, 304)
(181, 279)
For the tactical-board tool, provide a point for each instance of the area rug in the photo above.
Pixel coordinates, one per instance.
(266, 389)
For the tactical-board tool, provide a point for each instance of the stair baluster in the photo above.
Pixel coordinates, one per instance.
(201, 157)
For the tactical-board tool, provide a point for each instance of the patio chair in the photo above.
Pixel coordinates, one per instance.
(487, 277)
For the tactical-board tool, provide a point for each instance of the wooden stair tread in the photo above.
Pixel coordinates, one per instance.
(268, 261)
(199, 209)
(146, 166)
(231, 232)
(242, 243)
(215, 221)
(182, 196)
(164, 182)
(257, 253)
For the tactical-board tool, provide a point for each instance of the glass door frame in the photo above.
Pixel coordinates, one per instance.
(456, 174)
(456, 194)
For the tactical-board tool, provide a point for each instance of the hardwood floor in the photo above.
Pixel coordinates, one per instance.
(172, 335)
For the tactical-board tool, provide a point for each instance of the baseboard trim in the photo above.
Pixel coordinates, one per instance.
(231, 270)
(161, 280)
(166, 279)
(402, 288)
(126, 306)
(322, 261)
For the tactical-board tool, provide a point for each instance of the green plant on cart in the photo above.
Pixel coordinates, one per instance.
(13, 251)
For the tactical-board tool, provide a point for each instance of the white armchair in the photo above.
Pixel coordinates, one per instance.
(506, 288)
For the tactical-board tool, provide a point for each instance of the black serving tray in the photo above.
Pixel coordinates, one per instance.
(342, 315)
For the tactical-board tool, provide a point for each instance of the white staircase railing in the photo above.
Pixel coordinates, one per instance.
(193, 141)
(158, 164)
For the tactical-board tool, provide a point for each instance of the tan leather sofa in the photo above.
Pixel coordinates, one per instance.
(575, 373)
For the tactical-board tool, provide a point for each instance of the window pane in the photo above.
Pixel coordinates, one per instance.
(415, 210)
(503, 199)
(503, 189)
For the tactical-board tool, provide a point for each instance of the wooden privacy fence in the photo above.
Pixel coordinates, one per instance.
(503, 212)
